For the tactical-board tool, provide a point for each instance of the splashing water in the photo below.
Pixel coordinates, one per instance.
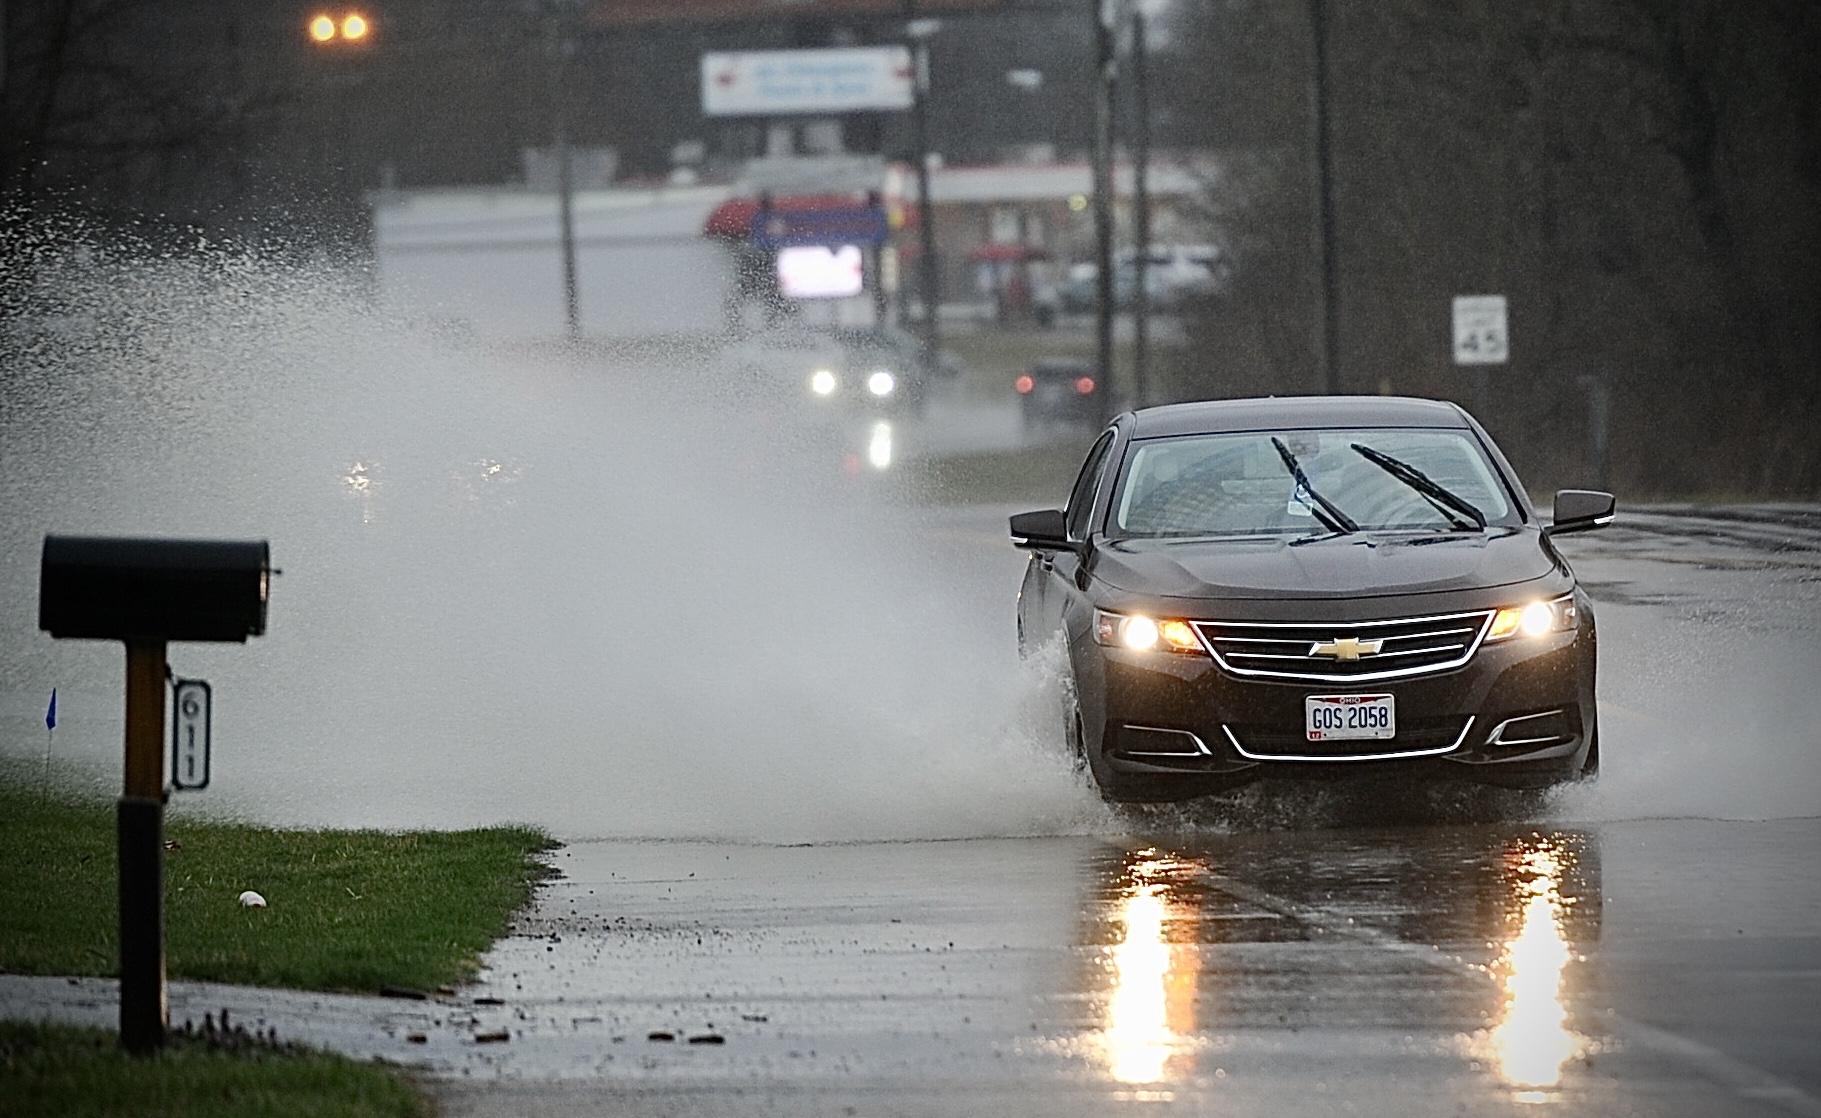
(600, 594)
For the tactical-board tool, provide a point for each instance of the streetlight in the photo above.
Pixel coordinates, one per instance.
(352, 28)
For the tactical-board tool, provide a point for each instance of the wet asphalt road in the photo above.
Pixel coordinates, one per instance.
(1607, 953)
(1651, 946)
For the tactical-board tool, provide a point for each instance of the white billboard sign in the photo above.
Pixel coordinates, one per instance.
(1482, 335)
(820, 271)
(780, 82)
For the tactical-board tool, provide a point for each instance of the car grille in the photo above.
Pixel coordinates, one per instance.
(1414, 739)
(1346, 651)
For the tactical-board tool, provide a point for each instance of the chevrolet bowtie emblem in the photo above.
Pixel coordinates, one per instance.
(1347, 648)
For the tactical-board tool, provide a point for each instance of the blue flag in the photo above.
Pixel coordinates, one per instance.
(50, 716)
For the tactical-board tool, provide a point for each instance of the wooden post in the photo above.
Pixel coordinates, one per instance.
(144, 1011)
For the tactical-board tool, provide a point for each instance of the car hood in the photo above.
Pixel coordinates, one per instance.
(1356, 565)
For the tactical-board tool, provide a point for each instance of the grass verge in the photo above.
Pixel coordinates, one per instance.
(55, 1071)
(347, 910)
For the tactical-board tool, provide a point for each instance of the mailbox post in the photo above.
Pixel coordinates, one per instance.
(146, 593)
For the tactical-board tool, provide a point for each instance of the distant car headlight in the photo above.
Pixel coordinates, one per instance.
(881, 383)
(822, 382)
(1534, 619)
(1138, 632)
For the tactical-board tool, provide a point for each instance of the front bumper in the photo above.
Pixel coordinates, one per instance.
(1519, 713)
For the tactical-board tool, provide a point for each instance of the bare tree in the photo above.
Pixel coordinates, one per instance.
(1638, 176)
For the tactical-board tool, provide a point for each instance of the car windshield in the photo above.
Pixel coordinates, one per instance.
(1241, 484)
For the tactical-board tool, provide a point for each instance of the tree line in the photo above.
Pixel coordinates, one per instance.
(1640, 178)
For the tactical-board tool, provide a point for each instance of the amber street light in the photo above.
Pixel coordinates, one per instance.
(353, 28)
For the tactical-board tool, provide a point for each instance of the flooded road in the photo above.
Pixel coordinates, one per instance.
(1592, 955)
(1654, 967)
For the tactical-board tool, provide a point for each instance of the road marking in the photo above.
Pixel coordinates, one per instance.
(1741, 1078)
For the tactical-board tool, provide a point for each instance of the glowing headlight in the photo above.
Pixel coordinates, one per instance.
(1138, 632)
(822, 382)
(1534, 619)
(881, 383)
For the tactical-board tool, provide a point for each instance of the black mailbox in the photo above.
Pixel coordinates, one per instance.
(114, 588)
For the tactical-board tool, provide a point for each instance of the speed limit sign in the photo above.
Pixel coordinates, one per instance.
(1482, 331)
(191, 699)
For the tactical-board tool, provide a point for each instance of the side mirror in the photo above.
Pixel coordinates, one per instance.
(1040, 531)
(1579, 510)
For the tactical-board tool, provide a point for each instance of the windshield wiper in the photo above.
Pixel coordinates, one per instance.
(1446, 501)
(1325, 510)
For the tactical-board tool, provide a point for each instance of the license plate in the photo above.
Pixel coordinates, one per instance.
(1340, 717)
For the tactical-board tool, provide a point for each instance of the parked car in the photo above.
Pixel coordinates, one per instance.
(1060, 391)
(1335, 586)
(1175, 275)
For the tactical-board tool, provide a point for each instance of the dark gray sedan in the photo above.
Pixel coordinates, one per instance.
(1305, 586)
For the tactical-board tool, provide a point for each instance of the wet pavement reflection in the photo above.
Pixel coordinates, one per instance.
(1155, 972)
(1200, 941)
(1531, 1041)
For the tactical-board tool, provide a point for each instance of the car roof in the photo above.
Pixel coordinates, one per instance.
(1285, 412)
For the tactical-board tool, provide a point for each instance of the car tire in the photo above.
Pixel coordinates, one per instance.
(1115, 787)
(1073, 735)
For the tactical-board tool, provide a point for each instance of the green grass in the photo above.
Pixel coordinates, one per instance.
(58, 1072)
(348, 910)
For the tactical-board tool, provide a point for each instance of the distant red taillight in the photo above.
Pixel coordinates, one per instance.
(1084, 385)
(1024, 384)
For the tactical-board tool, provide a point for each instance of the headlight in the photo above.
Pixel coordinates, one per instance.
(822, 382)
(1138, 632)
(881, 383)
(1534, 619)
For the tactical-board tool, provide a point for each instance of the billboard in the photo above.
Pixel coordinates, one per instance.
(616, 13)
(821, 271)
(830, 80)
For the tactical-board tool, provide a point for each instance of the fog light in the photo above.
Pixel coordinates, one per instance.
(881, 383)
(822, 382)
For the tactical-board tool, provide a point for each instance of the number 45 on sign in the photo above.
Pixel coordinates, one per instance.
(191, 700)
(1482, 334)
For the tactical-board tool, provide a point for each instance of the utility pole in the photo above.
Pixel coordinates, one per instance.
(562, 45)
(1106, 69)
(1141, 203)
(928, 276)
(1326, 341)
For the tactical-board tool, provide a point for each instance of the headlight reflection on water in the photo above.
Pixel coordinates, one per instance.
(1151, 1010)
(1532, 1040)
(879, 446)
